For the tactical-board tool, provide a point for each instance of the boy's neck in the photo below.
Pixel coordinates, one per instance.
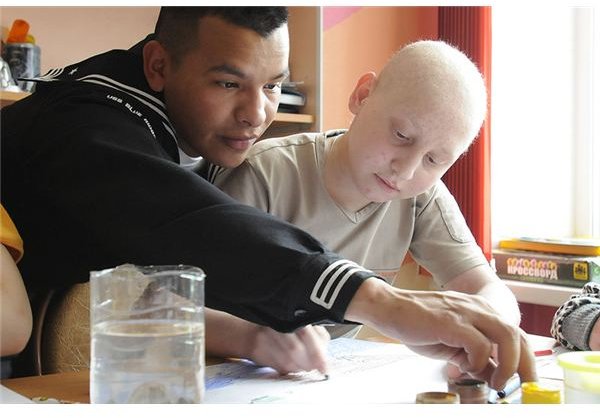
(338, 179)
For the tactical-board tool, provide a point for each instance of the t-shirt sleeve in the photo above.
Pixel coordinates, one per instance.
(442, 241)
(9, 235)
(245, 185)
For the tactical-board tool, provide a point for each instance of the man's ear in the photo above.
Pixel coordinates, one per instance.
(363, 89)
(155, 61)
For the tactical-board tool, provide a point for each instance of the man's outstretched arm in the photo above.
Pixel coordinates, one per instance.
(457, 327)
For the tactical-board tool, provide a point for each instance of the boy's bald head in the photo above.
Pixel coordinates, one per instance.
(439, 79)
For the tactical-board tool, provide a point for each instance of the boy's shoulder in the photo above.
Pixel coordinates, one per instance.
(291, 144)
(297, 149)
(284, 144)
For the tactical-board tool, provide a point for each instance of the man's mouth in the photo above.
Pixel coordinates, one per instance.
(239, 143)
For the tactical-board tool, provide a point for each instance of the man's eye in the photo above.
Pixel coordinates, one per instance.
(228, 84)
(272, 86)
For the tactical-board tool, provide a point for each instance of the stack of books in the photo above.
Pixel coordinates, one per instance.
(563, 262)
(292, 99)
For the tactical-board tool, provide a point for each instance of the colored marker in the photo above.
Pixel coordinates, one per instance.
(511, 386)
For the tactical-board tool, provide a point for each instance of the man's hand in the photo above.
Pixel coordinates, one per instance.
(302, 350)
(457, 327)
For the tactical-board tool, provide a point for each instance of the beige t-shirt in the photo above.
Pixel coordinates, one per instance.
(283, 176)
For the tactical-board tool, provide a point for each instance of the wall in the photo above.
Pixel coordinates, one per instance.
(77, 39)
(361, 39)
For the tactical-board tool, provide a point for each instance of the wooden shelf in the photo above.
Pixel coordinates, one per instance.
(13, 95)
(540, 293)
(8, 97)
(294, 118)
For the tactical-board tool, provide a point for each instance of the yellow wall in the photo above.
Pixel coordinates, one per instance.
(363, 41)
(67, 35)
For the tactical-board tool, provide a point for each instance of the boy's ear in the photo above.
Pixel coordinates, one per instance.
(155, 61)
(363, 89)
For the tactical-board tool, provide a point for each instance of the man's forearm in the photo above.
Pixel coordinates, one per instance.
(455, 326)
(227, 335)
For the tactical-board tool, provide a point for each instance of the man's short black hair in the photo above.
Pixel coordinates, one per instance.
(177, 27)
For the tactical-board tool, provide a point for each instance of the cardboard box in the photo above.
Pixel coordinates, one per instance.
(537, 267)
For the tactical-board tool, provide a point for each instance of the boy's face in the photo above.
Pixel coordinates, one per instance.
(225, 92)
(401, 142)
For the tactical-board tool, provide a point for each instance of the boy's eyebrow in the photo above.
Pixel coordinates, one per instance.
(231, 70)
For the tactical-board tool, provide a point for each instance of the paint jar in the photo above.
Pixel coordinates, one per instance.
(539, 393)
(437, 398)
(470, 390)
(581, 371)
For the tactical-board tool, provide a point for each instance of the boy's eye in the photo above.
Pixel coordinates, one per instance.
(431, 160)
(401, 136)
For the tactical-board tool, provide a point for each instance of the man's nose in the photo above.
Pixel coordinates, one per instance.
(252, 109)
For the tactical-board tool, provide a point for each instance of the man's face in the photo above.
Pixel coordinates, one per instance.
(224, 93)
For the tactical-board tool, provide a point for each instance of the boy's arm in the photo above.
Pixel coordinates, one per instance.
(482, 281)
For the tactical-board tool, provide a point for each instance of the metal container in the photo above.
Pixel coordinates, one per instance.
(24, 62)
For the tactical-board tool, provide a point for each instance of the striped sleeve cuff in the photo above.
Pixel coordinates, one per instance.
(336, 284)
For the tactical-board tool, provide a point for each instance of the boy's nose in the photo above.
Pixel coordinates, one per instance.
(405, 167)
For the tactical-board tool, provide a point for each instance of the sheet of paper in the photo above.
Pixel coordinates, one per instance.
(547, 365)
(360, 372)
(10, 396)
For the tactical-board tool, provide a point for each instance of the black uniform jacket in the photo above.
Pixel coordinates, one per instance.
(90, 176)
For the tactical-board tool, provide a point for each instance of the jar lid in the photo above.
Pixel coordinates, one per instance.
(581, 361)
(537, 393)
(437, 397)
(470, 390)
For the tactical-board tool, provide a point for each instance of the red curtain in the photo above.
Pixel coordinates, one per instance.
(470, 30)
